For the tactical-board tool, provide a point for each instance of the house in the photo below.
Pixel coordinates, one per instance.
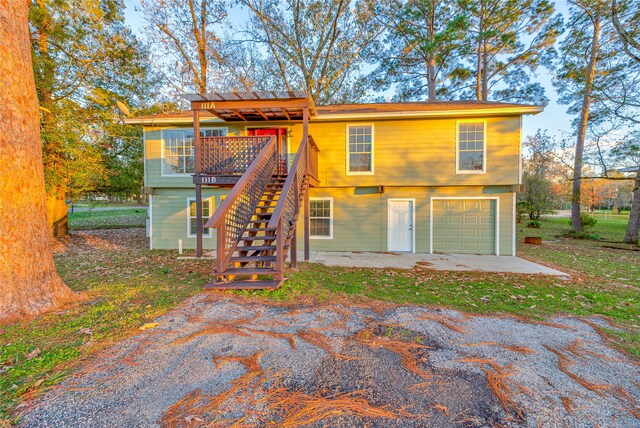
(275, 173)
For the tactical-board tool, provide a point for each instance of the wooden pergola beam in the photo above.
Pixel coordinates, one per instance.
(256, 104)
(261, 113)
(240, 115)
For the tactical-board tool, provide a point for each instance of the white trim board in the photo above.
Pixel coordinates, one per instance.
(513, 237)
(496, 198)
(150, 222)
(413, 221)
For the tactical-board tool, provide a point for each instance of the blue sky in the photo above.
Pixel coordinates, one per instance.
(554, 118)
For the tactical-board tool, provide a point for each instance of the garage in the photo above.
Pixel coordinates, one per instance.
(464, 225)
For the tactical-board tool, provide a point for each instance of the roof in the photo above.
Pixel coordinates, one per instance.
(629, 169)
(374, 111)
(254, 106)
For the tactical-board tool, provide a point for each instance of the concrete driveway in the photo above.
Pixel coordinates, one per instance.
(224, 361)
(455, 262)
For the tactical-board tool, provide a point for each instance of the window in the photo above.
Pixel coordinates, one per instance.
(471, 147)
(359, 149)
(192, 218)
(321, 218)
(177, 153)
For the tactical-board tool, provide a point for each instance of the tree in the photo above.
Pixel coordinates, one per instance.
(316, 45)
(84, 58)
(627, 152)
(423, 48)
(507, 41)
(583, 56)
(185, 35)
(29, 283)
(538, 175)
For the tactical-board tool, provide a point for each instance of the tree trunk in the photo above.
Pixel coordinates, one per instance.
(57, 213)
(631, 236)
(431, 79)
(29, 283)
(582, 128)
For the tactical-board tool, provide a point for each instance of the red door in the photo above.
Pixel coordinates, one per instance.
(281, 136)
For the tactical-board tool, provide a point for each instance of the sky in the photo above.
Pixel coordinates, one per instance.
(554, 118)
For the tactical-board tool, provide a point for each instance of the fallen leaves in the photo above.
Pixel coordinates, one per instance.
(149, 326)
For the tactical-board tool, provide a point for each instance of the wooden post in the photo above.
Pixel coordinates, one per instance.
(294, 243)
(197, 170)
(307, 221)
(294, 250)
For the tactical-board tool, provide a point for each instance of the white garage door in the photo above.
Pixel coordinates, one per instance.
(464, 226)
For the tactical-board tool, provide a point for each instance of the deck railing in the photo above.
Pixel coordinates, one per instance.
(233, 215)
(229, 155)
(283, 219)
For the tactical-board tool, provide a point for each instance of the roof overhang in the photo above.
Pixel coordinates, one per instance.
(408, 114)
(256, 106)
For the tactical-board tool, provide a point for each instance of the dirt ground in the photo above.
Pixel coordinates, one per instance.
(219, 360)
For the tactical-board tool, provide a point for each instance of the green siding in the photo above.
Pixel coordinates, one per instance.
(360, 221)
(169, 218)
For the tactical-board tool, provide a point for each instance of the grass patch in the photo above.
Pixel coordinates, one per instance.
(577, 256)
(108, 219)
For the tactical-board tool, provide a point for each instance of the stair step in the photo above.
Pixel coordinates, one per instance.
(258, 238)
(256, 248)
(259, 229)
(246, 271)
(253, 259)
(243, 285)
(263, 215)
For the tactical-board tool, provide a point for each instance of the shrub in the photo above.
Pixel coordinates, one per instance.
(580, 235)
(586, 221)
(535, 224)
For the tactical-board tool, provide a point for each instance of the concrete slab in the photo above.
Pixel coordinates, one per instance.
(455, 262)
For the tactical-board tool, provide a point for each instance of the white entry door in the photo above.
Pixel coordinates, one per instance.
(400, 226)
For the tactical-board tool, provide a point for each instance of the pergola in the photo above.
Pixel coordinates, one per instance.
(254, 106)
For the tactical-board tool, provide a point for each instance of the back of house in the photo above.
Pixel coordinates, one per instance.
(427, 177)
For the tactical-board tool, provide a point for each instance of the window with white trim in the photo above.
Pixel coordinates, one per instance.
(471, 146)
(177, 149)
(192, 219)
(359, 149)
(321, 218)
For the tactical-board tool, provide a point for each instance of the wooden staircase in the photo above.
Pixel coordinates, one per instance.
(256, 223)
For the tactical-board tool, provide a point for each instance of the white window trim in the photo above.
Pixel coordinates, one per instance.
(496, 198)
(372, 149)
(413, 221)
(484, 147)
(330, 199)
(206, 232)
(162, 147)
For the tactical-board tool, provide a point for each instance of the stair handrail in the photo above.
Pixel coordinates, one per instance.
(238, 207)
(288, 203)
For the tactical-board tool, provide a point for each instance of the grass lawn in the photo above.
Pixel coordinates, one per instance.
(107, 219)
(122, 286)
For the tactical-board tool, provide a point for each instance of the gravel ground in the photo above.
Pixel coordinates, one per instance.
(219, 360)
